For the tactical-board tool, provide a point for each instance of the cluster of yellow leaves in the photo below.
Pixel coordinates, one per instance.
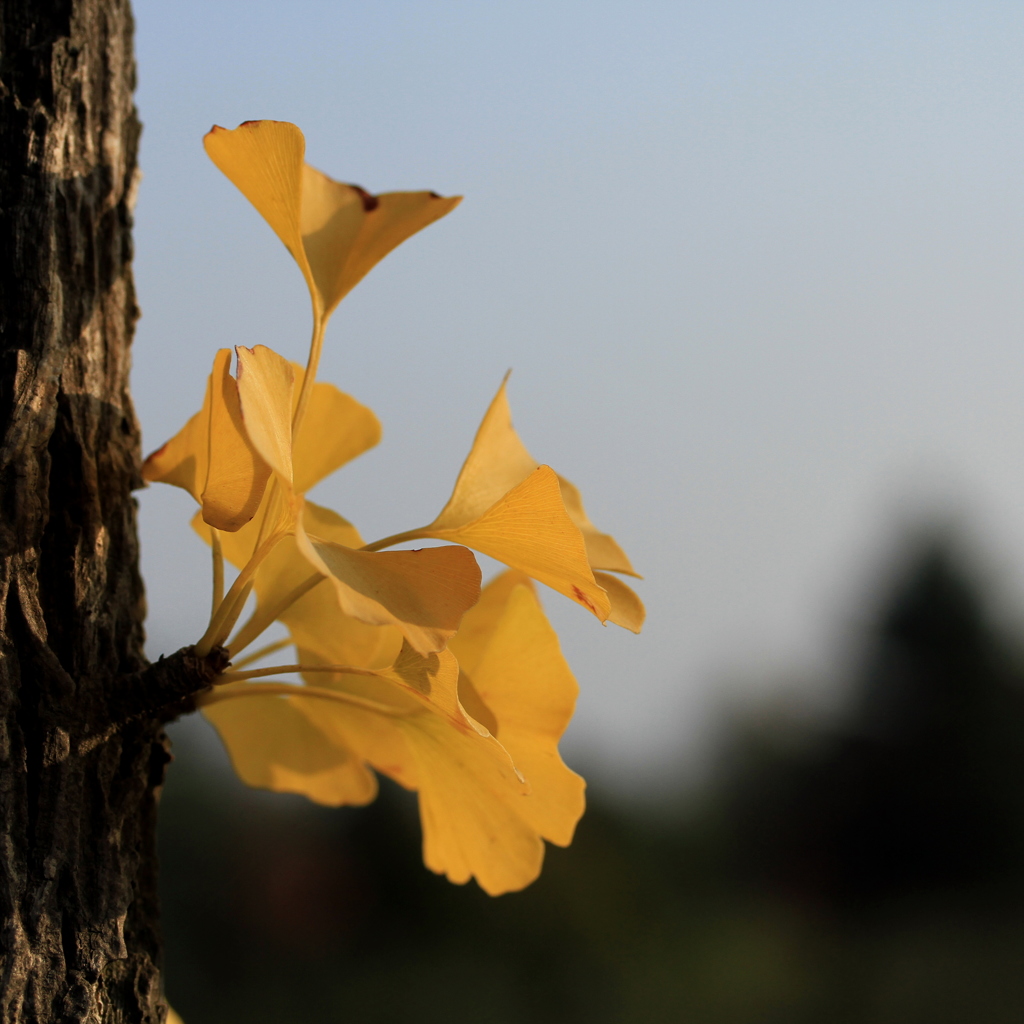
(409, 669)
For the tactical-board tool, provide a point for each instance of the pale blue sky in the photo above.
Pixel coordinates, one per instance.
(757, 268)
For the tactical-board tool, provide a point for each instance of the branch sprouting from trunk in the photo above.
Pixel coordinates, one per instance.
(168, 687)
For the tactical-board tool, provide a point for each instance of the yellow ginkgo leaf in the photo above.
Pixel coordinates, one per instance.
(526, 684)
(389, 219)
(274, 746)
(423, 593)
(480, 622)
(497, 462)
(603, 551)
(295, 741)
(481, 816)
(507, 506)
(336, 232)
(477, 818)
(335, 429)
(265, 384)
(529, 529)
(264, 160)
(183, 460)
(432, 680)
(237, 473)
(346, 231)
(470, 808)
(470, 794)
(627, 609)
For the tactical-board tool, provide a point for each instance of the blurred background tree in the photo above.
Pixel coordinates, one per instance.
(864, 868)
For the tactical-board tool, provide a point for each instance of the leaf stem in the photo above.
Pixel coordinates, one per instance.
(218, 569)
(226, 615)
(315, 346)
(395, 538)
(262, 618)
(262, 652)
(273, 670)
(269, 506)
(288, 690)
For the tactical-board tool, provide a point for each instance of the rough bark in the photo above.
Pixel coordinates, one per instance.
(82, 749)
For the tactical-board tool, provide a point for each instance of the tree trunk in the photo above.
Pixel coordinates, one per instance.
(82, 748)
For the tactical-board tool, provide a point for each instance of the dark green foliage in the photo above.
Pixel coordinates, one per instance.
(922, 790)
(870, 872)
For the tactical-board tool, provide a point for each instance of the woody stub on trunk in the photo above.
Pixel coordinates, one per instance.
(82, 747)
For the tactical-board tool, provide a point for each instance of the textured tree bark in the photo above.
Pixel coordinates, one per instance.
(82, 749)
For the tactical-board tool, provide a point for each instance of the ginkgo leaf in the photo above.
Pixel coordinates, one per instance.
(470, 809)
(274, 746)
(477, 821)
(469, 791)
(335, 429)
(467, 786)
(480, 622)
(481, 816)
(497, 462)
(237, 474)
(423, 593)
(507, 506)
(524, 681)
(183, 460)
(432, 680)
(627, 609)
(336, 232)
(264, 160)
(265, 384)
(529, 529)
(602, 549)
(346, 231)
